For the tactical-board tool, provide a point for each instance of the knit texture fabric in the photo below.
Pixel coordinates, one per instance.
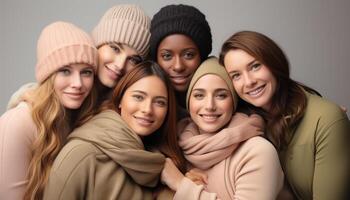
(212, 66)
(181, 19)
(124, 24)
(61, 44)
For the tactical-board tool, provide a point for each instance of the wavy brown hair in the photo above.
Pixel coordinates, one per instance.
(165, 138)
(289, 100)
(53, 123)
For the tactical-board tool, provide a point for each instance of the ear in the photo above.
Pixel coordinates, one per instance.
(120, 106)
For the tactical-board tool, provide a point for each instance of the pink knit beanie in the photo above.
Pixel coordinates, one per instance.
(125, 24)
(61, 44)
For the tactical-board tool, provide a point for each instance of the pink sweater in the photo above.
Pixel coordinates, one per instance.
(251, 172)
(17, 133)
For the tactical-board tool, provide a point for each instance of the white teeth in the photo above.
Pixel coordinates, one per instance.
(257, 91)
(210, 116)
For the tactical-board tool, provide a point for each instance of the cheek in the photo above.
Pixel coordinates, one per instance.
(88, 82)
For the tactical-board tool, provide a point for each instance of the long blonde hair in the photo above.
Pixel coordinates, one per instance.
(53, 123)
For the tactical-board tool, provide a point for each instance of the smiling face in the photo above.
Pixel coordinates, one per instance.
(73, 84)
(114, 61)
(144, 105)
(179, 56)
(252, 80)
(210, 103)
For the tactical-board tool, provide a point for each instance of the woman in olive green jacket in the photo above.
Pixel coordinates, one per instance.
(310, 133)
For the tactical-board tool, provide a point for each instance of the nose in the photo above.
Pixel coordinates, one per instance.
(76, 81)
(147, 107)
(178, 65)
(249, 80)
(210, 104)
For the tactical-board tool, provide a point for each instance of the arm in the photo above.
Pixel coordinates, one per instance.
(184, 187)
(332, 164)
(20, 94)
(17, 134)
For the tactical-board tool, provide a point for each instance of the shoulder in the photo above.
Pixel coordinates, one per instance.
(323, 109)
(18, 123)
(258, 144)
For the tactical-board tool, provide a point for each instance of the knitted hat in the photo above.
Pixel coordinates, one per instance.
(212, 66)
(183, 19)
(125, 24)
(61, 44)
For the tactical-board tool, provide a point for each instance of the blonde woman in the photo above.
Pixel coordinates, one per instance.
(33, 132)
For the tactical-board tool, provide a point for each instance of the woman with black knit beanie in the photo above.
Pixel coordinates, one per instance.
(180, 41)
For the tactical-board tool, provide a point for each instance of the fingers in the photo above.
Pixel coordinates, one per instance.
(197, 176)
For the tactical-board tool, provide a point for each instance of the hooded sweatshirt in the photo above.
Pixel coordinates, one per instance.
(104, 159)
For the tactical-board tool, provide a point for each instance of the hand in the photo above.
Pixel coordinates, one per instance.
(198, 176)
(171, 175)
(343, 108)
(245, 127)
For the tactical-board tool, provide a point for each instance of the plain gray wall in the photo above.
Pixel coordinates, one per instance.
(314, 34)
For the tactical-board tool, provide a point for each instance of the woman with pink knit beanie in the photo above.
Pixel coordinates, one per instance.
(33, 132)
(122, 39)
(221, 144)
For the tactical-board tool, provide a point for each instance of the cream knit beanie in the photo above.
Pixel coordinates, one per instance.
(212, 66)
(61, 44)
(125, 24)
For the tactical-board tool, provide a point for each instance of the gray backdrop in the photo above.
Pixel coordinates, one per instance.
(314, 34)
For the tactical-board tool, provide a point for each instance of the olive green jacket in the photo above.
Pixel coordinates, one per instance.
(316, 161)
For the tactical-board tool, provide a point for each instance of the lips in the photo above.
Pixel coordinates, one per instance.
(179, 79)
(144, 121)
(113, 74)
(209, 117)
(75, 96)
(257, 92)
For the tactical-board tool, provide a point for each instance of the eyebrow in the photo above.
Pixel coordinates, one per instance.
(144, 93)
(216, 90)
(249, 64)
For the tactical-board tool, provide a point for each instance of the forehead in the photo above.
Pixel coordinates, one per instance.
(236, 58)
(210, 82)
(151, 85)
(177, 41)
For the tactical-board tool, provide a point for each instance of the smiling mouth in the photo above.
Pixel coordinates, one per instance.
(256, 92)
(210, 117)
(113, 74)
(144, 121)
(75, 95)
(179, 79)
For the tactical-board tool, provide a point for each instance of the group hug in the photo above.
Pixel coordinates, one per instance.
(138, 109)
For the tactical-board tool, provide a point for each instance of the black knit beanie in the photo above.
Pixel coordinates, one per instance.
(183, 19)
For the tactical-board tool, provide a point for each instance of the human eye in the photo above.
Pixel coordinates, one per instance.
(87, 72)
(235, 76)
(137, 97)
(198, 95)
(222, 95)
(166, 56)
(160, 103)
(134, 60)
(115, 48)
(189, 55)
(256, 66)
(64, 71)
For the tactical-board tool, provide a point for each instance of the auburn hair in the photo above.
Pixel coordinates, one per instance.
(165, 138)
(289, 100)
